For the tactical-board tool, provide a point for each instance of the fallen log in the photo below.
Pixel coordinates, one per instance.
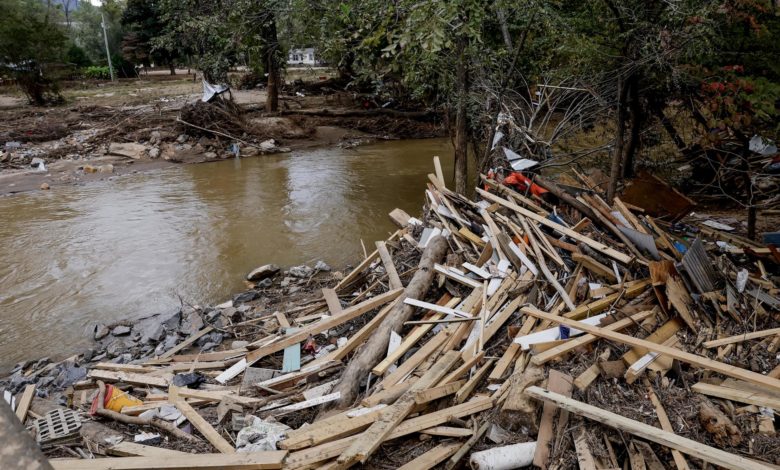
(376, 347)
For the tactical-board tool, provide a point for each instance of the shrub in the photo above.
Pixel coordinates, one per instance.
(97, 72)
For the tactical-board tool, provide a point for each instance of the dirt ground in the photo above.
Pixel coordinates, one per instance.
(78, 140)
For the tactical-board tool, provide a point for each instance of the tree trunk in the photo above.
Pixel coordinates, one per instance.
(461, 141)
(271, 64)
(172, 67)
(620, 129)
(375, 349)
(636, 119)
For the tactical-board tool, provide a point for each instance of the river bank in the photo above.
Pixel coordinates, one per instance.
(462, 334)
(129, 127)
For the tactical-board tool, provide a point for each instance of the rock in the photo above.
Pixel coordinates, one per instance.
(212, 315)
(267, 145)
(155, 137)
(155, 334)
(108, 168)
(239, 344)
(120, 330)
(101, 331)
(231, 313)
(191, 380)
(246, 297)
(168, 151)
(293, 289)
(87, 355)
(286, 281)
(154, 152)
(227, 304)
(192, 323)
(116, 348)
(37, 161)
(263, 272)
(301, 271)
(208, 346)
(172, 322)
(264, 283)
(321, 266)
(129, 150)
(260, 435)
(210, 155)
(170, 341)
(45, 186)
(70, 375)
(90, 169)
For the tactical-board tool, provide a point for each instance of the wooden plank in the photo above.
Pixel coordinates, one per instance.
(128, 377)
(186, 343)
(387, 262)
(439, 172)
(425, 396)
(204, 427)
(591, 373)
(739, 338)
(584, 456)
(666, 425)
(417, 358)
(23, 405)
(432, 458)
(450, 273)
(693, 359)
(332, 299)
(558, 382)
(650, 433)
(391, 417)
(472, 237)
(632, 290)
(469, 387)
(399, 217)
(282, 319)
(733, 394)
(447, 431)
(313, 329)
(242, 461)
(463, 368)
(574, 343)
(131, 449)
(362, 266)
(612, 253)
(594, 266)
(330, 450)
(413, 337)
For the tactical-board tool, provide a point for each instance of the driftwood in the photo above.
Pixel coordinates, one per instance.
(375, 348)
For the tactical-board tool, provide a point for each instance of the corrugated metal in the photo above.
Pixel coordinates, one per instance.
(699, 268)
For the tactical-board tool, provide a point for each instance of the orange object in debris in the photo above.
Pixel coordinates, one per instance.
(115, 400)
(521, 183)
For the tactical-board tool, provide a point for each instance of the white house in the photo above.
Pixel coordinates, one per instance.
(304, 56)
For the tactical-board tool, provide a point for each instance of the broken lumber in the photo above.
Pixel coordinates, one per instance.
(242, 461)
(695, 449)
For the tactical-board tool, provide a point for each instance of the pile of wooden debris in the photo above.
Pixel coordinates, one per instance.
(498, 334)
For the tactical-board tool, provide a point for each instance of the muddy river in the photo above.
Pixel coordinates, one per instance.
(132, 246)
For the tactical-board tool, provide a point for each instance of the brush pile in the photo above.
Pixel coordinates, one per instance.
(499, 334)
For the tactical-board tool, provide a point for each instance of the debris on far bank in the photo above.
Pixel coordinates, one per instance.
(515, 330)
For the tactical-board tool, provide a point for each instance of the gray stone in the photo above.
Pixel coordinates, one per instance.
(208, 346)
(101, 331)
(264, 283)
(231, 313)
(210, 155)
(116, 348)
(155, 334)
(263, 272)
(36, 162)
(172, 321)
(301, 271)
(239, 344)
(245, 297)
(154, 137)
(182, 138)
(293, 289)
(127, 149)
(120, 330)
(191, 323)
(286, 281)
(154, 152)
(321, 266)
(170, 341)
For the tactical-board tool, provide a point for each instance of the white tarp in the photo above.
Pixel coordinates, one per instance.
(210, 91)
(517, 161)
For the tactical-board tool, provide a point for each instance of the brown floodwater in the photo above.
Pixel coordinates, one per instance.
(129, 247)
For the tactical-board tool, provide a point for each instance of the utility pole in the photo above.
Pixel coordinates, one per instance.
(105, 39)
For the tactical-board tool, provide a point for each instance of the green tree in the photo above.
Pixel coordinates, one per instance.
(142, 22)
(88, 34)
(30, 41)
